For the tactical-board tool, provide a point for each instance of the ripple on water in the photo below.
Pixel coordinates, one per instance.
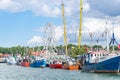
(12, 72)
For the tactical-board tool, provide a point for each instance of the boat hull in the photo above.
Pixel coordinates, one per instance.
(11, 62)
(25, 64)
(58, 66)
(108, 66)
(66, 67)
(88, 67)
(38, 63)
(70, 67)
(73, 67)
(111, 65)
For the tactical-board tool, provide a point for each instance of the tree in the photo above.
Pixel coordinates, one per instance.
(77, 51)
(115, 48)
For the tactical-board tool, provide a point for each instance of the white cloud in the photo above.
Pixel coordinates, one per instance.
(93, 24)
(117, 32)
(50, 8)
(47, 31)
(72, 7)
(38, 7)
(35, 40)
(12, 6)
(116, 24)
(4, 4)
(86, 6)
(58, 33)
(90, 24)
(97, 27)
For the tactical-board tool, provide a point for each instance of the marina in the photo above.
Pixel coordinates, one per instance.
(76, 40)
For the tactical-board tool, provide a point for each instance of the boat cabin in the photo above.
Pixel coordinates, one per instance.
(94, 56)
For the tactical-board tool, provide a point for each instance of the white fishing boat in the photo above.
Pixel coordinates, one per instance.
(11, 60)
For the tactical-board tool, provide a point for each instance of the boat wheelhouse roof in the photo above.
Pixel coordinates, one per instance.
(97, 52)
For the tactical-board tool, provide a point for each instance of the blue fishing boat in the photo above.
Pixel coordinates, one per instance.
(89, 61)
(39, 63)
(103, 61)
(108, 65)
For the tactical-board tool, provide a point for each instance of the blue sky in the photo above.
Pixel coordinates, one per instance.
(22, 22)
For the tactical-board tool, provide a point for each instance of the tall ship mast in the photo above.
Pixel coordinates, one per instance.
(65, 34)
(80, 28)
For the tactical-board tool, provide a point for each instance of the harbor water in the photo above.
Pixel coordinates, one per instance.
(13, 72)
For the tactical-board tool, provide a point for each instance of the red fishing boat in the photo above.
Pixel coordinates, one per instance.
(56, 64)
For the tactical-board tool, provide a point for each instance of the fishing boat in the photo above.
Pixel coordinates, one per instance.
(25, 63)
(70, 66)
(103, 61)
(68, 63)
(11, 60)
(53, 59)
(74, 67)
(19, 59)
(56, 64)
(109, 64)
(38, 62)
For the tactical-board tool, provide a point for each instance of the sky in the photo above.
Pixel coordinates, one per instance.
(24, 22)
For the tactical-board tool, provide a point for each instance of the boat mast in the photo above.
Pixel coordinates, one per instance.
(107, 40)
(107, 37)
(49, 44)
(80, 29)
(113, 39)
(113, 46)
(64, 23)
(91, 35)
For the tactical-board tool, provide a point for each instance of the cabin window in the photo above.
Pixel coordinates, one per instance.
(95, 54)
(91, 55)
(103, 54)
